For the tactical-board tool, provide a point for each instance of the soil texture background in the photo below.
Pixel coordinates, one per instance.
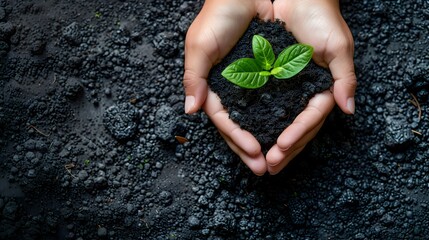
(91, 111)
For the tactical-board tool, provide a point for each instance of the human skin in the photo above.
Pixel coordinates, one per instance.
(321, 25)
(218, 27)
(214, 32)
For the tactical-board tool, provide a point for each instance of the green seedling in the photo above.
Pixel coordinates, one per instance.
(141, 166)
(97, 15)
(253, 73)
(86, 162)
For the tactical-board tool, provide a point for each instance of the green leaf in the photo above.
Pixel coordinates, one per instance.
(263, 52)
(292, 60)
(246, 73)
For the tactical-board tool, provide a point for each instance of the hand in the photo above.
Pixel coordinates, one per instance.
(214, 32)
(320, 24)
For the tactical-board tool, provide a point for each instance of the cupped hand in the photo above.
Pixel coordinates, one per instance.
(319, 24)
(214, 32)
(296, 136)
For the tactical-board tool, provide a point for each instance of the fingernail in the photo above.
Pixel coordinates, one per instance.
(189, 103)
(285, 149)
(351, 105)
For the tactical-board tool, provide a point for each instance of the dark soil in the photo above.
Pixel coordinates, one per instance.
(267, 111)
(92, 101)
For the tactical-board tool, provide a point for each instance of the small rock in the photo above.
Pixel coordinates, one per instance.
(166, 44)
(398, 132)
(6, 31)
(71, 34)
(100, 182)
(381, 168)
(130, 208)
(223, 219)
(236, 116)
(350, 183)
(166, 120)
(158, 165)
(194, 222)
(108, 92)
(73, 89)
(82, 175)
(38, 47)
(387, 219)
(74, 62)
(31, 173)
(203, 200)
(121, 121)
(359, 236)
(30, 155)
(165, 198)
(102, 232)
(347, 199)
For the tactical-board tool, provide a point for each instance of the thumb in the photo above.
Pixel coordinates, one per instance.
(342, 69)
(201, 52)
(197, 67)
(211, 36)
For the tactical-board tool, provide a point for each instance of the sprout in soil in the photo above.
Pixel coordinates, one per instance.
(254, 72)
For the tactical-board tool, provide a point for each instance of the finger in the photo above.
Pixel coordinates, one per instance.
(220, 118)
(256, 163)
(342, 69)
(211, 36)
(281, 10)
(277, 158)
(316, 111)
(197, 67)
(200, 55)
(265, 10)
(339, 56)
(241, 142)
(283, 158)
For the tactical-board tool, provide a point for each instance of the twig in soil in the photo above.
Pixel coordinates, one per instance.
(145, 222)
(55, 78)
(416, 103)
(416, 132)
(69, 167)
(181, 139)
(37, 130)
(133, 100)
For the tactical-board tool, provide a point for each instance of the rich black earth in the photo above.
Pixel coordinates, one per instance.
(267, 111)
(92, 101)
